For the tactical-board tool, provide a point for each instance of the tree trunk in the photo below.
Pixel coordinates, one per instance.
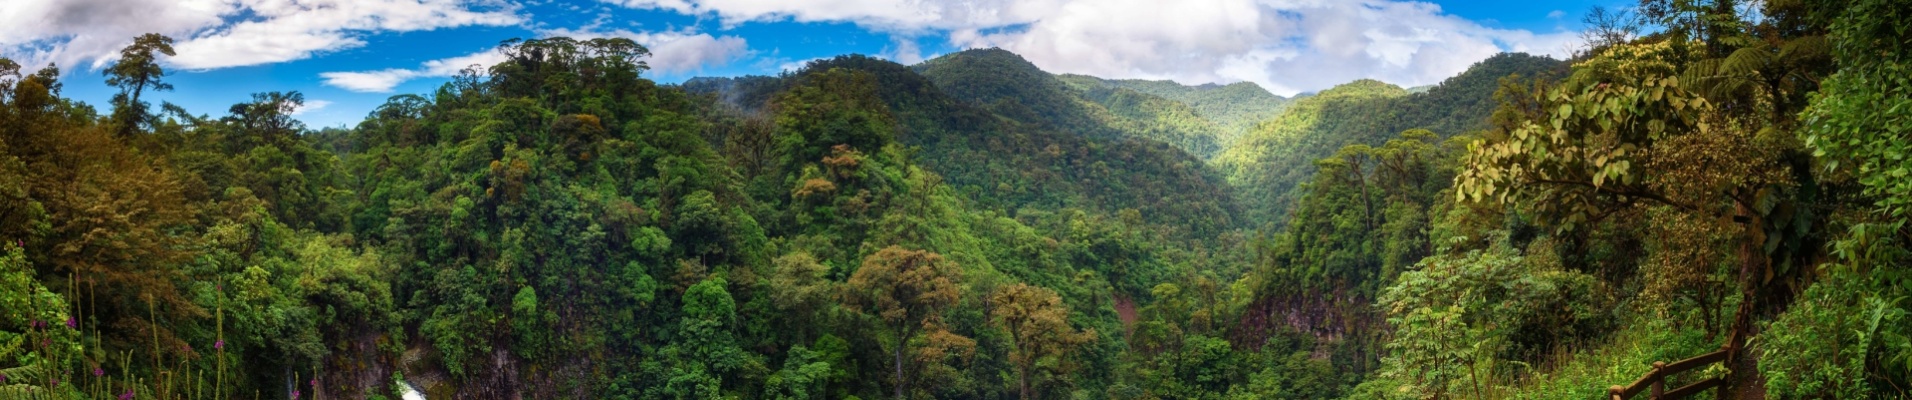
(901, 340)
(1023, 378)
(1752, 258)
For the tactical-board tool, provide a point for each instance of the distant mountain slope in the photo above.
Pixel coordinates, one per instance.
(1153, 117)
(1006, 84)
(1235, 107)
(1045, 149)
(1267, 165)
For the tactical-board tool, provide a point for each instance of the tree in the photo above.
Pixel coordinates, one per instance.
(268, 117)
(1624, 133)
(830, 108)
(1038, 326)
(1608, 27)
(705, 350)
(799, 285)
(137, 70)
(908, 291)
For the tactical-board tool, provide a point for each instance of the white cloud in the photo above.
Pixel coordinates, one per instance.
(671, 53)
(904, 51)
(223, 33)
(382, 81)
(310, 106)
(887, 14)
(1287, 46)
(793, 66)
(1557, 14)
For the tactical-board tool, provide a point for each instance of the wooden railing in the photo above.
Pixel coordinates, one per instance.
(1655, 381)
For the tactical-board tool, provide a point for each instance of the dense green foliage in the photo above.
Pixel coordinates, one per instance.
(1009, 86)
(558, 226)
(1268, 164)
(1234, 108)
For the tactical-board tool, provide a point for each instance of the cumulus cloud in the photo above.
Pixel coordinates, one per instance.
(671, 53)
(1286, 46)
(904, 51)
(223, 33)
(886, 14)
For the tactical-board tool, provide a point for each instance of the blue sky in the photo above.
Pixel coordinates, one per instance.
(348, 56)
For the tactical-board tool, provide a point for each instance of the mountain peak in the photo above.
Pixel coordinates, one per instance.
(1364, 88)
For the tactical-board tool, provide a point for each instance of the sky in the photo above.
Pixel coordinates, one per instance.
(349, 56)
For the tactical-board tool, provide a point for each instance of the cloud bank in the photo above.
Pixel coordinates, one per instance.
(1286, 46)
(671, 53)
(223, 33)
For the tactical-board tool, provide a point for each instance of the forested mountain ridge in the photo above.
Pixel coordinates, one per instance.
(558, 225)
(1007, 85)
(1009, 165)
(1234, 108)
(1268, 164)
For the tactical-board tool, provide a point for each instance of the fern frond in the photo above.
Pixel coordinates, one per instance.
(19, 391)
(1746, 61)
(6, 351)
(25, 373)
(1806, 49)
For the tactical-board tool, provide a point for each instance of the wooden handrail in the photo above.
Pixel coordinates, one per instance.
(1655, 380)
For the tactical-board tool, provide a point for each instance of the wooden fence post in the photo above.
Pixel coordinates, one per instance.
(1659, 380)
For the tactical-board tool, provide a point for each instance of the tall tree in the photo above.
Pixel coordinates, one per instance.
(1038, 325)
(137, 70)
(1625, 133)
(908, 290)
(267, 118)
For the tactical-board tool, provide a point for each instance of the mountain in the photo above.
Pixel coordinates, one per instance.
(1235, 107)
(1006, 84)
(1267, 165)
(1018, 138)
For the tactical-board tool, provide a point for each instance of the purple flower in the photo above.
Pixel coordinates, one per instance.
(185, 348)
(128, 395)
(315, 382)
(3, 378)
(98, 372)
(54, 383)
(295, 394)
(219, 345)
(72, 323)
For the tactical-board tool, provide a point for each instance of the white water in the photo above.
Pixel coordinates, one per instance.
(408, 392)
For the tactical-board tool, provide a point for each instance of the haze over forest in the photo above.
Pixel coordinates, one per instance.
(1046, 199)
